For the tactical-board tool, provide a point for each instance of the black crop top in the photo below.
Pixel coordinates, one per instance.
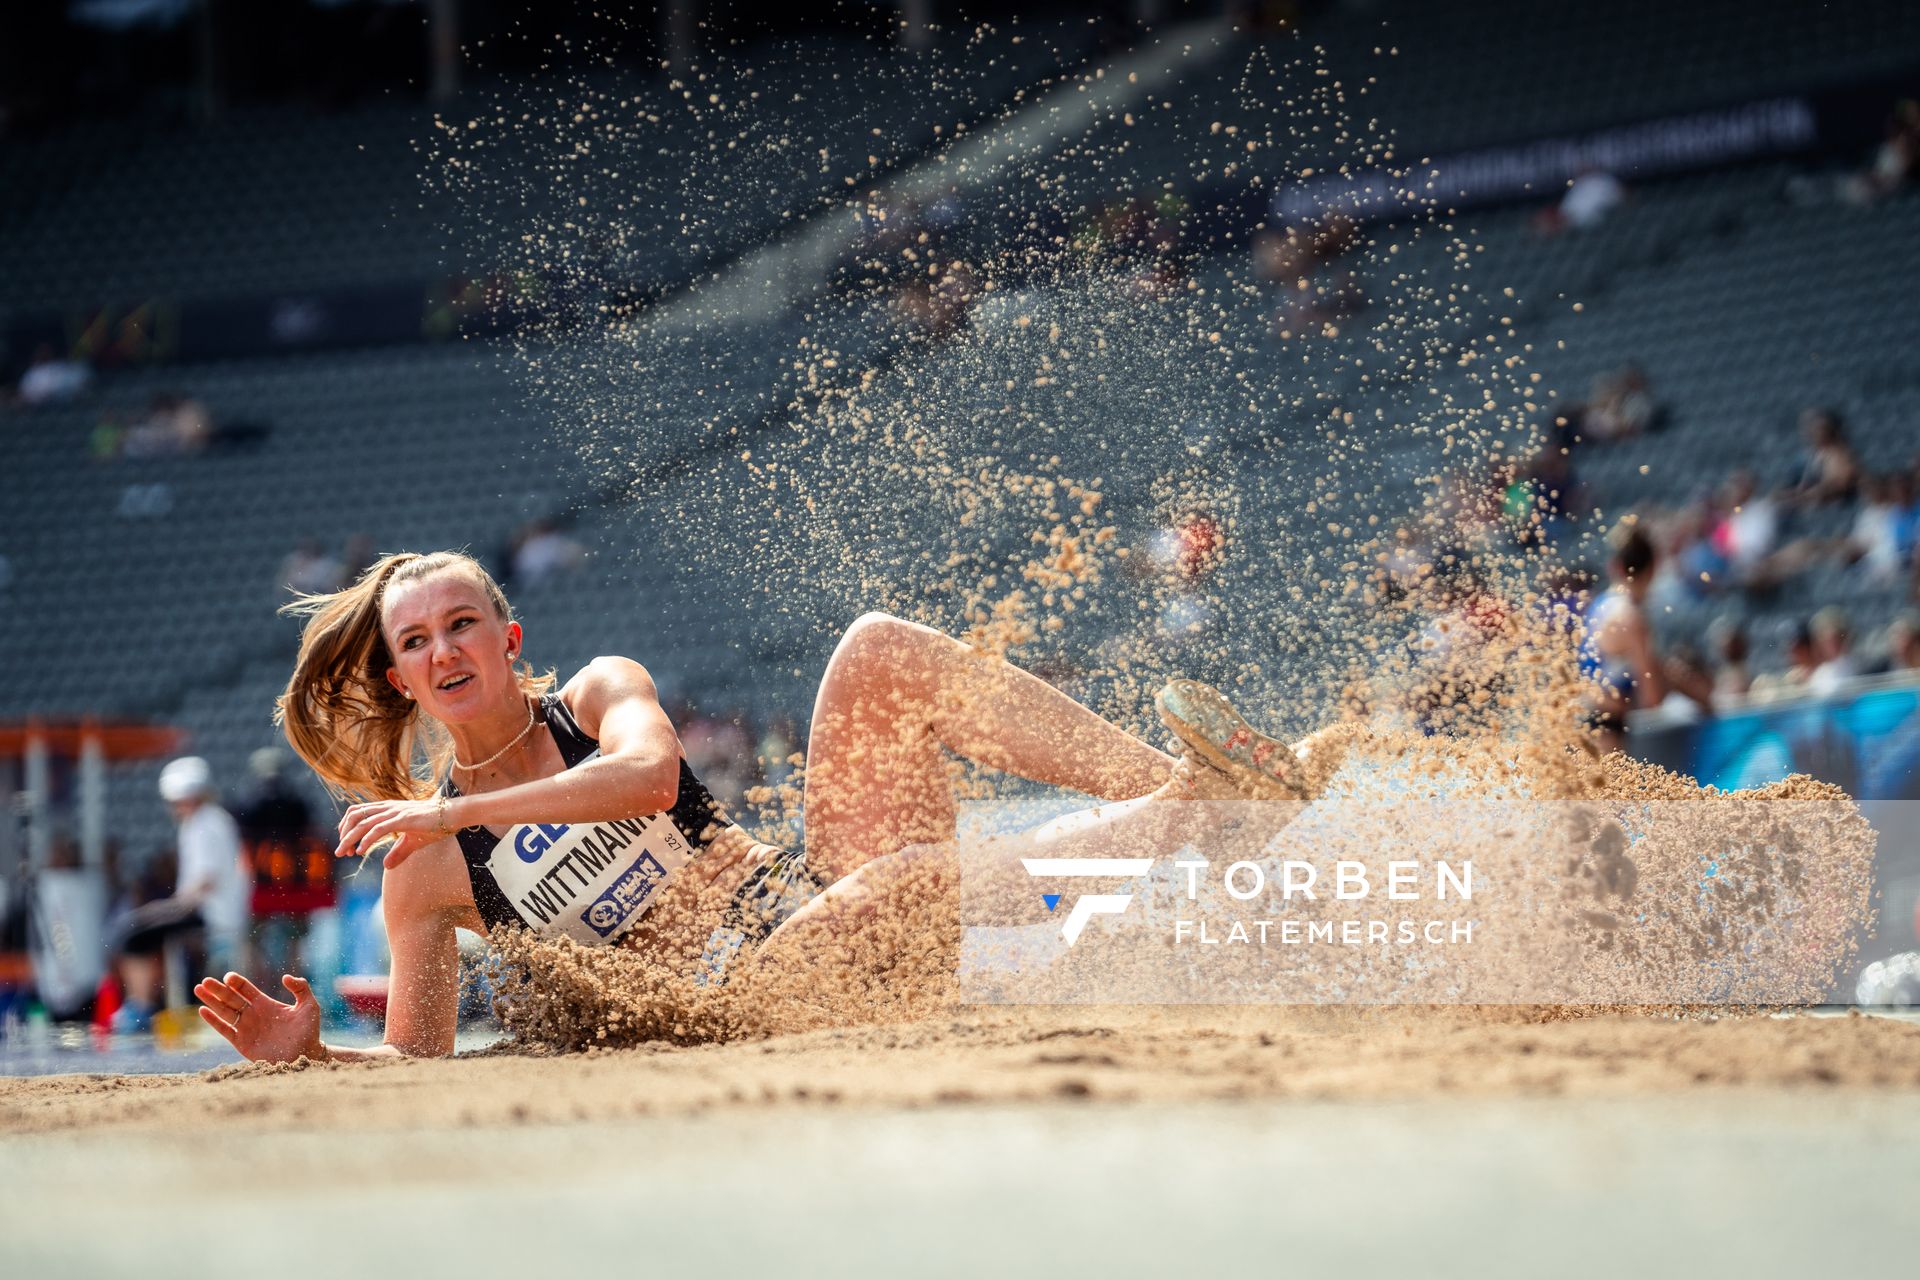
(590, 881)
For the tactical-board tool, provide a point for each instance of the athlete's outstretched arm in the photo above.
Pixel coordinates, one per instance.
(423, 903)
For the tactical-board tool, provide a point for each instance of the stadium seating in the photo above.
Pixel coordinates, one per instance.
(283, 200)
(146, 587)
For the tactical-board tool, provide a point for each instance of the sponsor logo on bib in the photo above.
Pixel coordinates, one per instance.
(625, 897)
(534, 839)
(588, 880)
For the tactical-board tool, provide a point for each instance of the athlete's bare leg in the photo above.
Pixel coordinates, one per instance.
(895, 695)
(1195, 807)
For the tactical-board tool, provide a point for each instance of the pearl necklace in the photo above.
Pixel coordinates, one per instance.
(461, 764)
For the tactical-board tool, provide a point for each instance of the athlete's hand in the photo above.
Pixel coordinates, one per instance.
(416, 823)
(260, 1027)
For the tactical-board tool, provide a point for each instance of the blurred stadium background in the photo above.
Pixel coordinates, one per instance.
(242, 347)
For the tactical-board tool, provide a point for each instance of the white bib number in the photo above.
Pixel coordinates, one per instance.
(588, 880)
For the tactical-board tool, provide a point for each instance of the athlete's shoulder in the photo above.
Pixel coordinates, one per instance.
(609, 670)
(606, 679)
(601, 684)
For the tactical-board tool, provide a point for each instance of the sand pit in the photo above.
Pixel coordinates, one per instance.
(1105, 1055)
(845, 1114)
(1125, 1139)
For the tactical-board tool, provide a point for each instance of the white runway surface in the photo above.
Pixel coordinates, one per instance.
(1733, 1183)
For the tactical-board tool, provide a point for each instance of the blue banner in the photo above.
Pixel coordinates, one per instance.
(1866, 741)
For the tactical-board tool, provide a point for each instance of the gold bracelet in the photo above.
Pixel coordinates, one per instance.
(440, 816)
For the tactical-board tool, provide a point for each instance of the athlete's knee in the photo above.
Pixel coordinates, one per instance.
(876, 620)
(872, 633)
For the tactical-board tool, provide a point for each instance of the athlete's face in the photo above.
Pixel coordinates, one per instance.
(450, 649)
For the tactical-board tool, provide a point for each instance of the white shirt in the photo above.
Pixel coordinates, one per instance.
(53, 380)
(1751, 532)
(1590, 197)
(545, 554)
(1876, 534)
(1828, 678)
(1676, 709)
(210, 861)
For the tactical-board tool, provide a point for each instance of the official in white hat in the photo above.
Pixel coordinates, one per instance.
(212, 891)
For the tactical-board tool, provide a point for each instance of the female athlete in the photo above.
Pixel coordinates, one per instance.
(572, 811)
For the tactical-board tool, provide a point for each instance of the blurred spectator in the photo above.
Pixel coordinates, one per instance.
(1727, 642)
(903, 254)
(1405, 563)
(1801, 656)
(309, 570)
(1832, 636)
(67, 947)
(212, 893)
(1542, 499)
(174, 424)
(1903, 643)
(272, 811)
(1592, 194)
(1185, 552)
(1895, 160)
(1875, 543)
(1621, 406)
(1302, 263)
(1797, 638)
(1617, 654)
(890, 231)
(1138, 239)
(937, 303)
(275, 825)
(1905, 487)
(1748, 526)
(1564, 593)
(542, 552)
(171, 425)
(50, 380)
(145, 501)
(1470, 504)
(1185, 617)
(1199, 545)
(1689, 681)
(1691, 565)
(1458, 687)
(103, 442)
(1828, 470)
